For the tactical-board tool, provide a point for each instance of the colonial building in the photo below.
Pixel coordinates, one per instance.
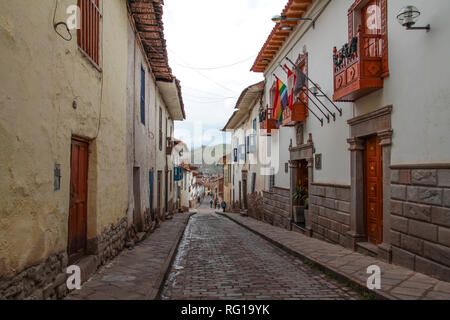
(247, 145)
(154, 103)
(366, 137)
(71, 103)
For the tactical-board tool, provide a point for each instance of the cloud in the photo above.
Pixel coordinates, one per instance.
(212, 33)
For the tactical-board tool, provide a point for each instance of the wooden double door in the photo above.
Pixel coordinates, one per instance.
(373, 193)
(77, 230)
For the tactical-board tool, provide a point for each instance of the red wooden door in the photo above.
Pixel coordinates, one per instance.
(371, 22)
(374, 190)
(78, 199)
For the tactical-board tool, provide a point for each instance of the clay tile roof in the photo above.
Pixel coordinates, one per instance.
(276, 39)
(147, 15)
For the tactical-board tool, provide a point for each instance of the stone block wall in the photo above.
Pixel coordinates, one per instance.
(276, 207)
(256, 206)
(47, 280)
(329, 213)
(420, 220)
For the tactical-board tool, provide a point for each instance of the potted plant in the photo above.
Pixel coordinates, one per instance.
(300, 196)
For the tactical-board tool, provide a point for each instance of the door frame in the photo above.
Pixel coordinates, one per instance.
(376, 123)
(76, 256)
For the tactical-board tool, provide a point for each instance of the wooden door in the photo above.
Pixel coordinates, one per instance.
(137, 213)
(78, 199)
(373, 190)
(150, 184)
(371, 22)
(158, 200)
(302, 174)
(166, 191)
(244, 192)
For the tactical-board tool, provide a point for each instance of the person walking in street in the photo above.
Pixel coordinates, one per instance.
(224, 205)
(211, 203)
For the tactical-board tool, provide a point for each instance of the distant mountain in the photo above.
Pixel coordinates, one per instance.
(207, 158)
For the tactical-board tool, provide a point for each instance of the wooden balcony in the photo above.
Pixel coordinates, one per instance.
(267, 122)
(297, 114)
(358, 67)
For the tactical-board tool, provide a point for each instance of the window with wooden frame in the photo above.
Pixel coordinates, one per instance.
(89, 32)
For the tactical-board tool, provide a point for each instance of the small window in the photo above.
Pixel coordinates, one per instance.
(89, 32)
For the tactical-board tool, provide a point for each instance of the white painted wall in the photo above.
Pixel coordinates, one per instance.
(417, 88)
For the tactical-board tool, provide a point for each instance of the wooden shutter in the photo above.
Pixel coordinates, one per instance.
(89, 32)
(142, 95)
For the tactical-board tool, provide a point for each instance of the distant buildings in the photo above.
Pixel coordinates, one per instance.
(360, 155)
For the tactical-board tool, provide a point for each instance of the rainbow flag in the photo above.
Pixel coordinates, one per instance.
(281, 101)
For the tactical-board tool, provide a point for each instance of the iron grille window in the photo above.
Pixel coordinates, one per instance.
(89, 32)
(142, 95)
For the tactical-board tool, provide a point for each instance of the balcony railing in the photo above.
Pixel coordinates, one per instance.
(267, 122)
(358, 67)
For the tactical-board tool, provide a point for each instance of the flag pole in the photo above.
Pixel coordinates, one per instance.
(334, 105)
(326, 115)
(333, 114)
(321, 120)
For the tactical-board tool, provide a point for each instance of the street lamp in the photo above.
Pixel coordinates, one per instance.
(408, 17)
(281, 18)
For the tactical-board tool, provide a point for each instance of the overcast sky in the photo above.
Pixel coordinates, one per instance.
(211, 34)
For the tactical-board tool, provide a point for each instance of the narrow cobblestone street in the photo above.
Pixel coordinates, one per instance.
(218, 259)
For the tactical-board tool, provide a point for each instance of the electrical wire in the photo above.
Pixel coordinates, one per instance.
(214, 98)
(56, 24)
(101, 88)
(204, 76)
(215, 68)
(213, 95)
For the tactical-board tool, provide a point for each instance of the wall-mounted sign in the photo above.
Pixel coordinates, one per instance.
(318, 161)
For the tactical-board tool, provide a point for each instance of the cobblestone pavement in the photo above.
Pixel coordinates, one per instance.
(218, 259)
(397, 283)
(136, 274)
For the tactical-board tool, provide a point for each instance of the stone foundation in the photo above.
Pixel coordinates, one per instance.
(256, 206)
(420, 219)
(47, 280)
(329, 213)
(276, 208)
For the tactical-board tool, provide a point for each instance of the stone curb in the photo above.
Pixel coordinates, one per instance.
(360, 286)
(158, 285)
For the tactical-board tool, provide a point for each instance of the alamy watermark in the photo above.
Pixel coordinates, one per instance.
(74, 280)
(374, 280)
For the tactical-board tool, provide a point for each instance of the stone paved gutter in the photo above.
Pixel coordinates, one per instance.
(137, 274)
(397, 283)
